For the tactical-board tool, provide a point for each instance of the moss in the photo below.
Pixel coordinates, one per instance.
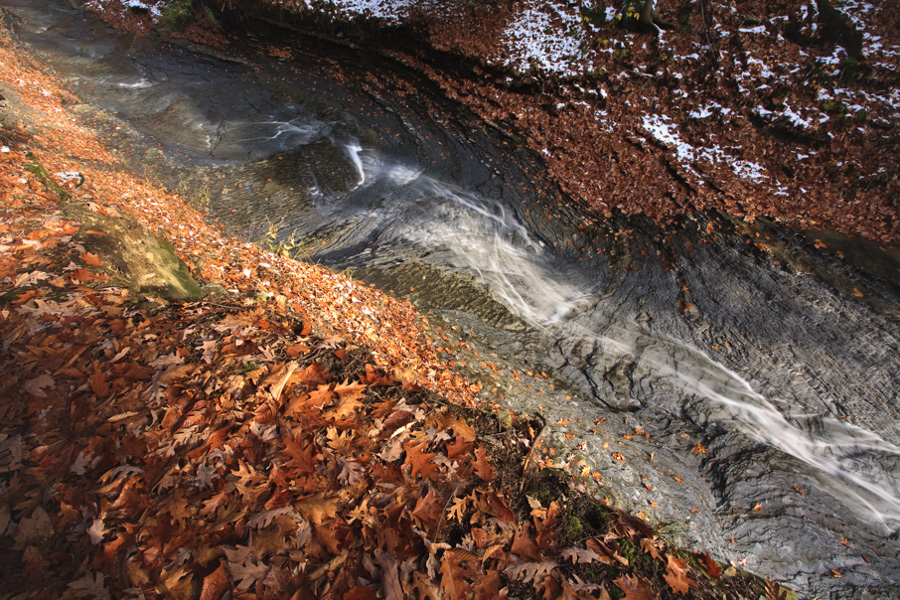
(134, 257)
(41, 173)
(572, 529)
(628, 550)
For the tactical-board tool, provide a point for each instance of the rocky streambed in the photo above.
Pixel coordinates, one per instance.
(737, 382)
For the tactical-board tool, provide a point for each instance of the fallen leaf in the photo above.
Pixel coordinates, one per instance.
(709, 564)
(636, 588)
(677, 575)
(482, 467)
(216, 584)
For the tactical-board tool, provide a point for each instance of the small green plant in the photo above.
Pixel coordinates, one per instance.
(247, 366)
(202, 199)
(834, 108)
(288, 248)
(621, 54)
(629, 16)
(212, 18)
(176, 13)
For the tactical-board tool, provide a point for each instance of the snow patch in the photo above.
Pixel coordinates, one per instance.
(392, 11)
(665, 131)
(544, 35)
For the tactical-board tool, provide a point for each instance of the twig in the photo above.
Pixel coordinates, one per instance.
(534, 445)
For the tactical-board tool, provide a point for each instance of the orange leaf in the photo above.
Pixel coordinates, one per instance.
(524, 545)
(91, 259)
(458, 448)
(453, 572)
(677, 575)
(420, 461)
(295, 350)
(82, 275)
(482, 468)
(648, 546)
(23, 298)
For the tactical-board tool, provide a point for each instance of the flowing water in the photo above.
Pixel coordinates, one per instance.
(722, 378)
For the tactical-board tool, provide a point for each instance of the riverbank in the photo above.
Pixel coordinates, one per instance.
(754, 111)
(187, 415)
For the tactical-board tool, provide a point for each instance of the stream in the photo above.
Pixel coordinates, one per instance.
(747, 399)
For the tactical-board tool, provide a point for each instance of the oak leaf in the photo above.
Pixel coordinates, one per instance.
(456, 565)
(390, 580)
(428, 509)
(458, 448)
(244, 569)
(425, 589)
(649, 546)
(529, 572)
(677, 575)
(489, 587)
(607, 554)
(524, 545)
(35, 564)
(90, 586)
(636, 588)
(580, 555)
(99, 383)
(420, 461)
(91, 259)
(546, 527)
(482, 467)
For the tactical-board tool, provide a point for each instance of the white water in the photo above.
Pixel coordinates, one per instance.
(483, 237)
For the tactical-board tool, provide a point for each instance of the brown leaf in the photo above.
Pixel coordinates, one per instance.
(677, 575)
(428, 509)
(98, 383)
(453, 572)
(524, 545)
(482, 467)
(580, 555)
(611, 556)
(277, 379)
(91, 259)
(216, 584)
(35, 565)
(709, 564)
(458, 448)
(390, 580)
(420, 461)
(647, 545)
(489, 587)
(530, 571)
(775, 591)
(636, 588)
